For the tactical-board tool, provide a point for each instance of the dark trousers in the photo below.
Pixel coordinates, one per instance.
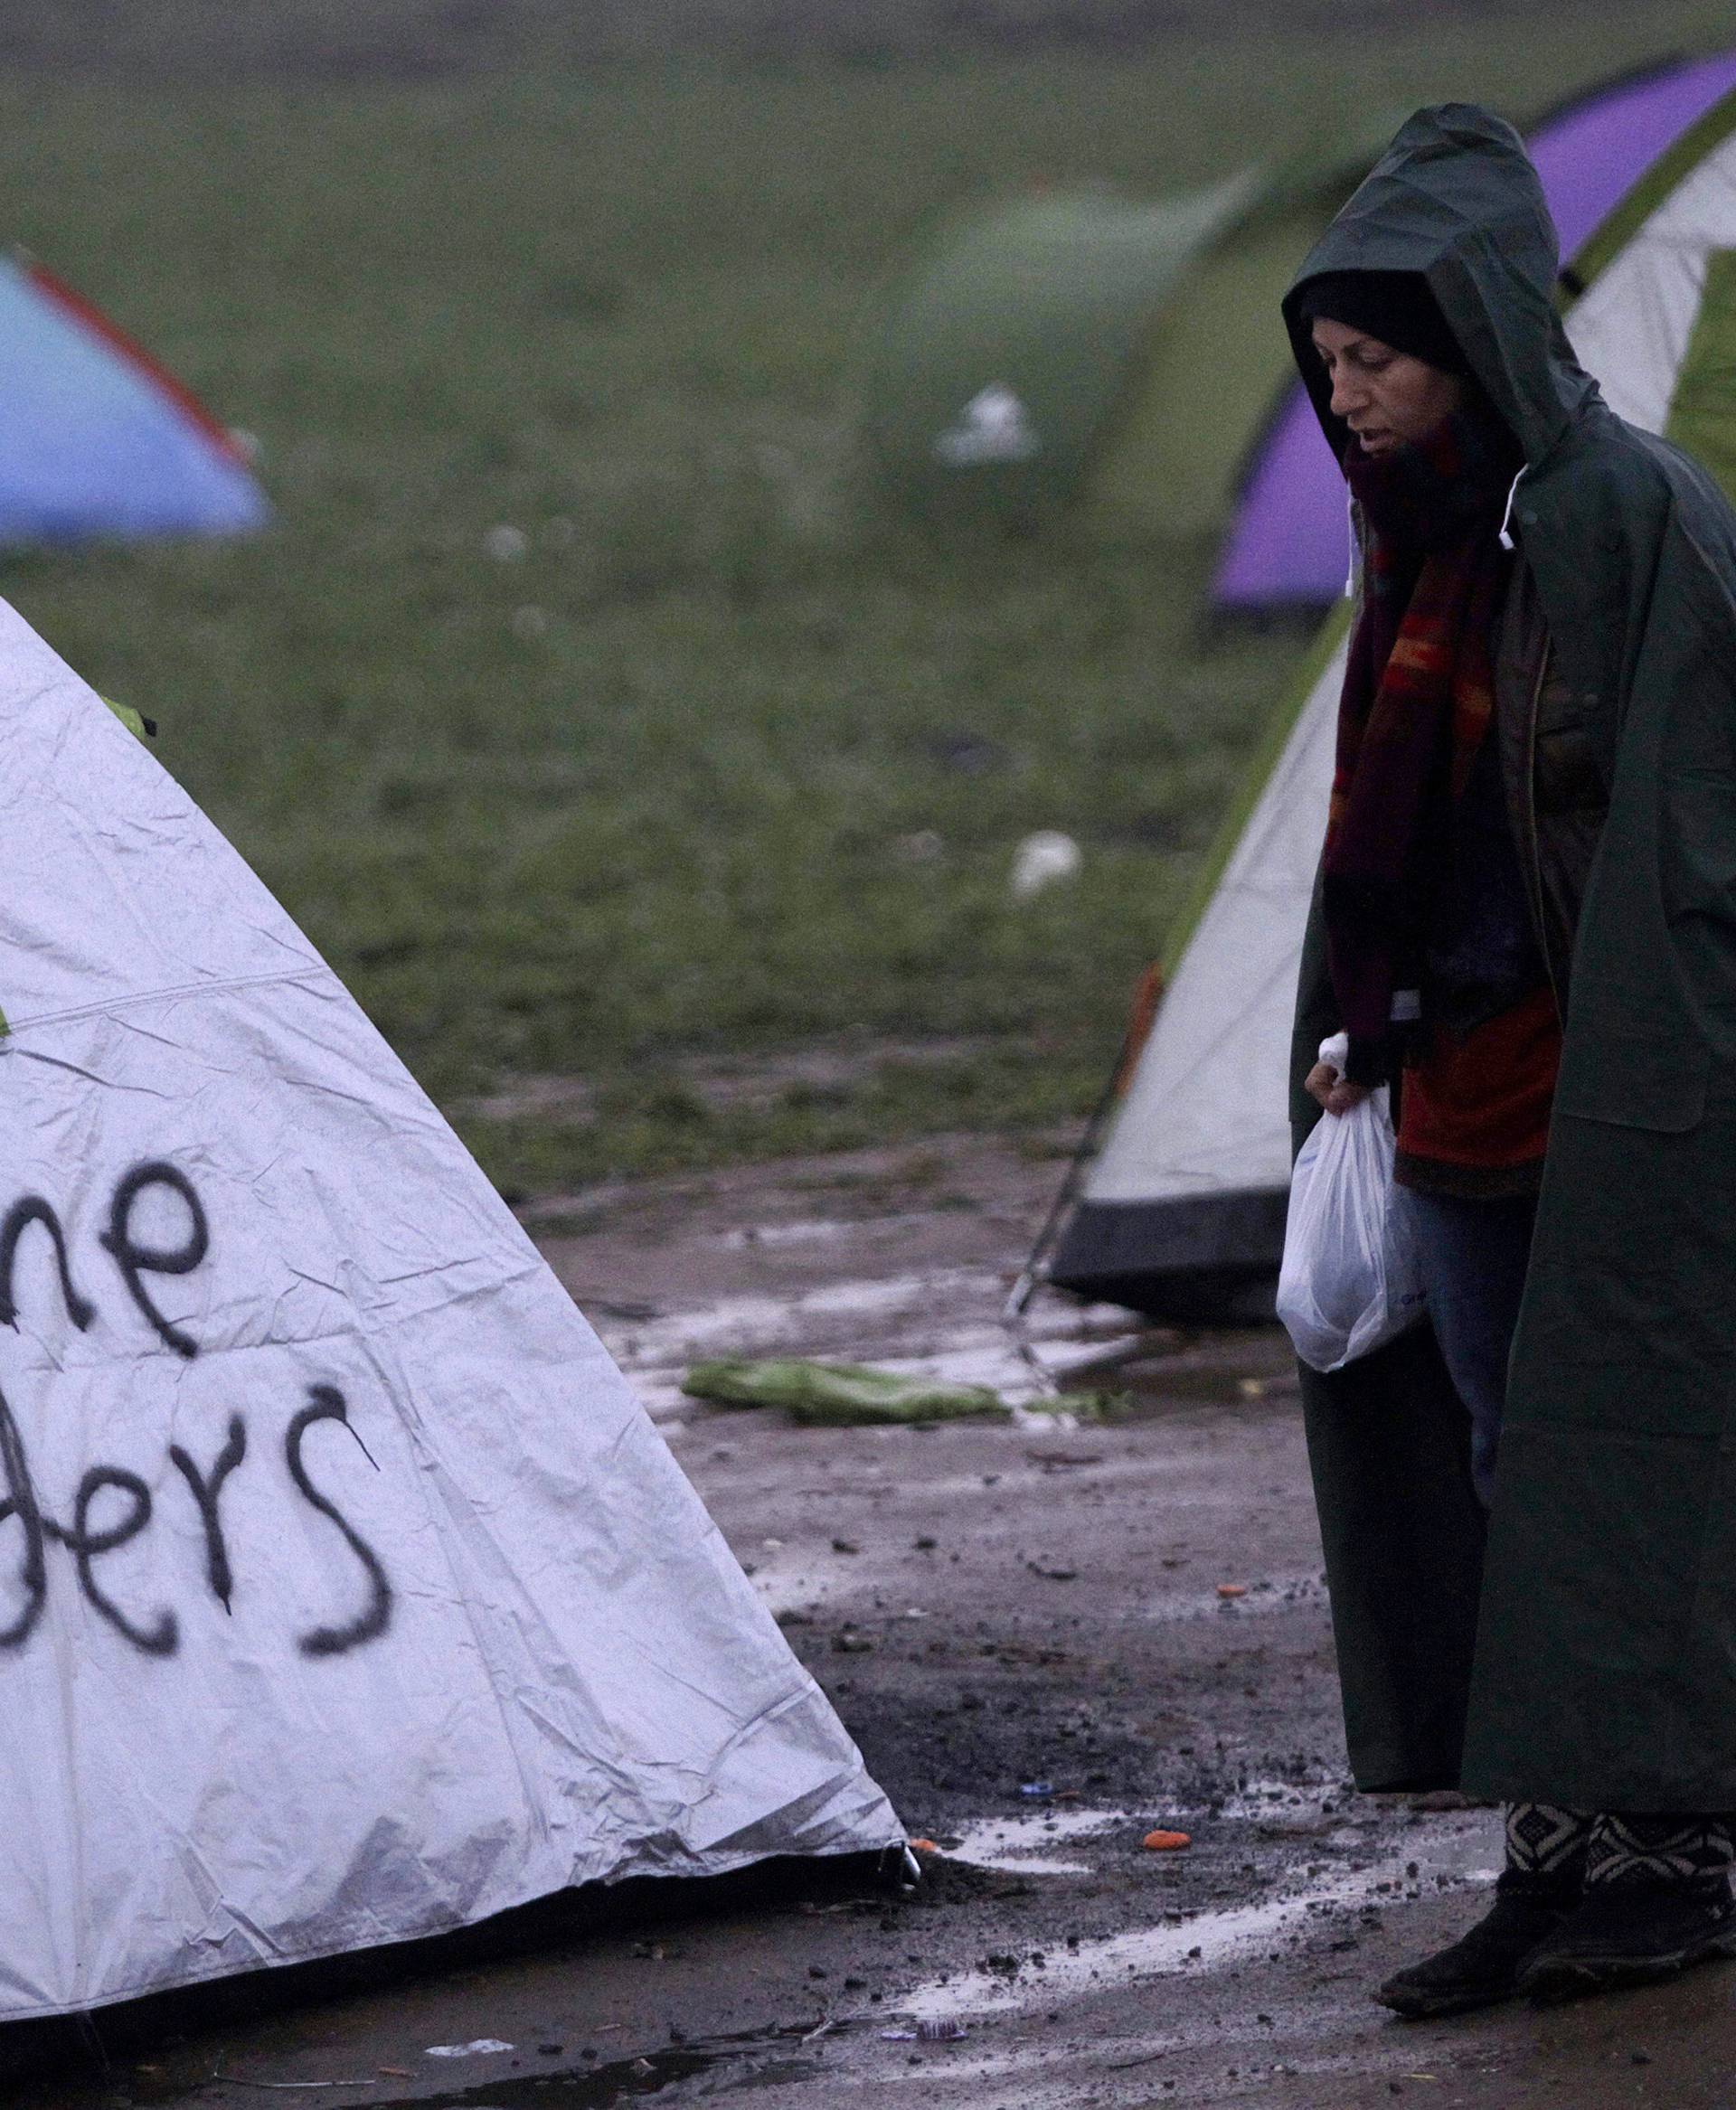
(1473, 1256)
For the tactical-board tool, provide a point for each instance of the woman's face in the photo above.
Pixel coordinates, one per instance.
(1388, 399)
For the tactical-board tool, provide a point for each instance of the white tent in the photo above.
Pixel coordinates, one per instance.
(1181, 1212)
(346, 1593)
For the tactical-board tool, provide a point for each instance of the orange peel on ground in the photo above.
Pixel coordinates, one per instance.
(1162, 1842)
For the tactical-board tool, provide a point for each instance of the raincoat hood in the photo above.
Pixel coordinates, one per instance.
(1455, 197)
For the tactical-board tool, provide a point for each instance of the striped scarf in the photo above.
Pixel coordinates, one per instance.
(1418, 697)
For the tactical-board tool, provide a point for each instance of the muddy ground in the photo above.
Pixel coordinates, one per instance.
(1026, 1627)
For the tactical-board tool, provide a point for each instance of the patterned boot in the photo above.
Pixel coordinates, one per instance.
(1534, 1896)
(1656, 1900)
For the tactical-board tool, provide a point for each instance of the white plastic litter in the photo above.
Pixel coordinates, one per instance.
(1041, 860)
(1351, 1279)
(478, 2047)
(994, 426)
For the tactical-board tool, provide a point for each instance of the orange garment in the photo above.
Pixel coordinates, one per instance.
(1473, 1112)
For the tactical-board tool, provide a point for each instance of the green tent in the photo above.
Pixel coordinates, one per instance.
(1077, 350)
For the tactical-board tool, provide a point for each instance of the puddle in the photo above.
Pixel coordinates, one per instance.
(1267, 1802)
(752, 1315)
(843, 1322)
(1021, 1845)
(723, 2065)
(828, 1230)
(1151, 1388)
(817, 1230)
(855, 1320)
(1447, 1853)
(946, 1324)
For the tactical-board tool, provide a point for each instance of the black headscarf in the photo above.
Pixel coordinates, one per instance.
(1394, 307)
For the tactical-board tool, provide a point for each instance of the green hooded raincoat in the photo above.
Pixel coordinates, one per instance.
(1595, 1666)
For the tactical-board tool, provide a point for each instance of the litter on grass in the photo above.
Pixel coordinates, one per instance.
(478, 2047)
(1041, 860)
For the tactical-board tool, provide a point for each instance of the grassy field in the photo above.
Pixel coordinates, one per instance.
(328, 41)
(717, 765)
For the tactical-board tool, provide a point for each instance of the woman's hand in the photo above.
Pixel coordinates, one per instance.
(1327, 1085)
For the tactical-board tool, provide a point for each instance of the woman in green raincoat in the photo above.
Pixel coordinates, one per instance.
(1526, 920)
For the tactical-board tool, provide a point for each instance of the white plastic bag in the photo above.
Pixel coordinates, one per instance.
(1351, 1279)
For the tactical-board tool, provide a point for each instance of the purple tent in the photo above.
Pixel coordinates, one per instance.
(1287, 545)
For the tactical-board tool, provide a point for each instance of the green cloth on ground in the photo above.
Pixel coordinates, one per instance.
(838, 1394)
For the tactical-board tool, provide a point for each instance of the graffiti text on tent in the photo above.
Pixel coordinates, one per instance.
(123, 1495)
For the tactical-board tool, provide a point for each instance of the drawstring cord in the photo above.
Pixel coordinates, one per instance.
(1506, 518)
(1350, 530)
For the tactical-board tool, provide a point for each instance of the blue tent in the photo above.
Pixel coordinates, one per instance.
(97, 442)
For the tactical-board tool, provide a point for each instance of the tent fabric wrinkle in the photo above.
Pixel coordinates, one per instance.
(358, 1490)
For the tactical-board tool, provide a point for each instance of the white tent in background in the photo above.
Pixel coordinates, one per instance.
(346, 1593)
(1181, 1211)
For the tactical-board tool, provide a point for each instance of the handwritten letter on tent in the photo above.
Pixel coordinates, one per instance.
(346, 1593)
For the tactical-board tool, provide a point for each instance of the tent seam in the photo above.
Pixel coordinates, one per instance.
(309, 973)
